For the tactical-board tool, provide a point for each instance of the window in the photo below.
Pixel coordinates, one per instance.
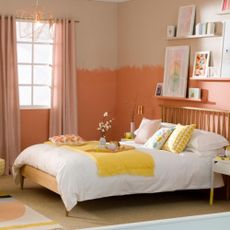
(35, 54)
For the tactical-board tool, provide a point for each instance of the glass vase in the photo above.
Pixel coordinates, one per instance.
(102, 142)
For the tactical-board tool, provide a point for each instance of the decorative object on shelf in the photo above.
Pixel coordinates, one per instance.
(176, 71)
(159, 89)
(104, 126)
(225, 66)
(211, 28)
(201, 63)
(171, 31)
(225, 6)
(213, 72)
(186, 19)
(194, 93)
(137, 110)
(205, 28)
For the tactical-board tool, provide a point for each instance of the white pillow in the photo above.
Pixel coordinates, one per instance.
(143, 122)
(205, 141)
(168, 125)
(146, 131)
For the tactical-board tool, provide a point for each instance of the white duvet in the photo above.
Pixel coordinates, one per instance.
(77, 177)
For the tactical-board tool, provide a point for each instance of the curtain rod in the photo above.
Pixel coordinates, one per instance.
(21, 18)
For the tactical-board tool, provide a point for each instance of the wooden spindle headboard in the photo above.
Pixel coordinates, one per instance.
(213, 120)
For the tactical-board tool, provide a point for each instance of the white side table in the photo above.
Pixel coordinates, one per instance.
(218, 166)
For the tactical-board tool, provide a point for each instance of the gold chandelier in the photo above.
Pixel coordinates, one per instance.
(35, 14)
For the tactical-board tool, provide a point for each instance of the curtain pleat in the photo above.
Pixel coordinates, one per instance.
(9, 95)
(63, 113)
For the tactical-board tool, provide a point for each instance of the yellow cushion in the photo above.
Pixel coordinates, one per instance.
(179, 138)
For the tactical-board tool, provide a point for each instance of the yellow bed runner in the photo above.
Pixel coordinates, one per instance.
(128, 161)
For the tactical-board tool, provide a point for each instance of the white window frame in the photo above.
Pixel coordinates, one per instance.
(32, 64)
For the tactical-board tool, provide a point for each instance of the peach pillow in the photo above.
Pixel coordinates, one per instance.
(146, 130)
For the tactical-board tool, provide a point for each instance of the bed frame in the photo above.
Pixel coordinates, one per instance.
(217, 121)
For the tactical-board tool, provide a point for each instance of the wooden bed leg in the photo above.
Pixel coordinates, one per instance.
(66, 213)
(22, 182)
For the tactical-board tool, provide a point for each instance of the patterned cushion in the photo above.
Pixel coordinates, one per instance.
(179, 138)
(68, 139)
(158, 138)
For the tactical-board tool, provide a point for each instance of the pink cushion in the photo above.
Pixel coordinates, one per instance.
(146, 130)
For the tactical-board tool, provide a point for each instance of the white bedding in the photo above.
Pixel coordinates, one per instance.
(78, 180)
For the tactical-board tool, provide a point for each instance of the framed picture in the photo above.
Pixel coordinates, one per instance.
(186, 19)
(225, 6)
(194, 93)
(159, 89)
(201, 63)
(176, 71)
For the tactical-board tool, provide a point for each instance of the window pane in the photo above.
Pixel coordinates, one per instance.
(43, 54)
(25, 95)
(24, 74)
(24, 31)
(42, 75)
(42, 95)
(43, 32)
(24, 53)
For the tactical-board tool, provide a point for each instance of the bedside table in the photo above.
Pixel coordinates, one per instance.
(221, 166)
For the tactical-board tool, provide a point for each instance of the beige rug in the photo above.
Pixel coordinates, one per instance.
(115, 210)
(16, 215)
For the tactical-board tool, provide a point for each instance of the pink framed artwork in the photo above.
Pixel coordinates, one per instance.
(186, 19)
(201, 63)
(176, 71)
(225, 6)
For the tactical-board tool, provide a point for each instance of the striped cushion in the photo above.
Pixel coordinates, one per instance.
(179, 138)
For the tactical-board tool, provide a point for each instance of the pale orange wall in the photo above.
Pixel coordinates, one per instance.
(141, 48)
(96, 94)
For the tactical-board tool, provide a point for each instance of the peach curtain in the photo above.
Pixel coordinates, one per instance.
(9, 99)
(63, 113)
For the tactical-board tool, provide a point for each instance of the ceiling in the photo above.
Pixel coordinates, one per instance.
(112, 1)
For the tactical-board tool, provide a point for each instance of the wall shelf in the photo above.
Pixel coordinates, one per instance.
(194, 36)
(180, 99)
(224, 12)
(209, 79)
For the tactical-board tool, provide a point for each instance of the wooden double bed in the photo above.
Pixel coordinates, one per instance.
(217, 121)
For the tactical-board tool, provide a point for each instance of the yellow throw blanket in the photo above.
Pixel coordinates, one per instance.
(128, 161)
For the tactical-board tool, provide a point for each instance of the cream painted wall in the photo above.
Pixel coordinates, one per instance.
(142, 30)
(96, 32)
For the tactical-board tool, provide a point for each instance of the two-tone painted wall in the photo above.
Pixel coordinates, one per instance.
(120, 58)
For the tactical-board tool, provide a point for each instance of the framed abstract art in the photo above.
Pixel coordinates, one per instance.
(186, 19)
(201, 63)
(176, 71)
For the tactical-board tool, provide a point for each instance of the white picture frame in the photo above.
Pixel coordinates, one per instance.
(176, 71)
(186, 18)
(194, 93)
(201, 64)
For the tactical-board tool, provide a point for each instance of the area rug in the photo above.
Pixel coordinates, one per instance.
(16, 215)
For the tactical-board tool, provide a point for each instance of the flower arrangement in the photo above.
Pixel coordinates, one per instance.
(105, 125)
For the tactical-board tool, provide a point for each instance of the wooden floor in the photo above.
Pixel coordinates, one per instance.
(115, 210)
